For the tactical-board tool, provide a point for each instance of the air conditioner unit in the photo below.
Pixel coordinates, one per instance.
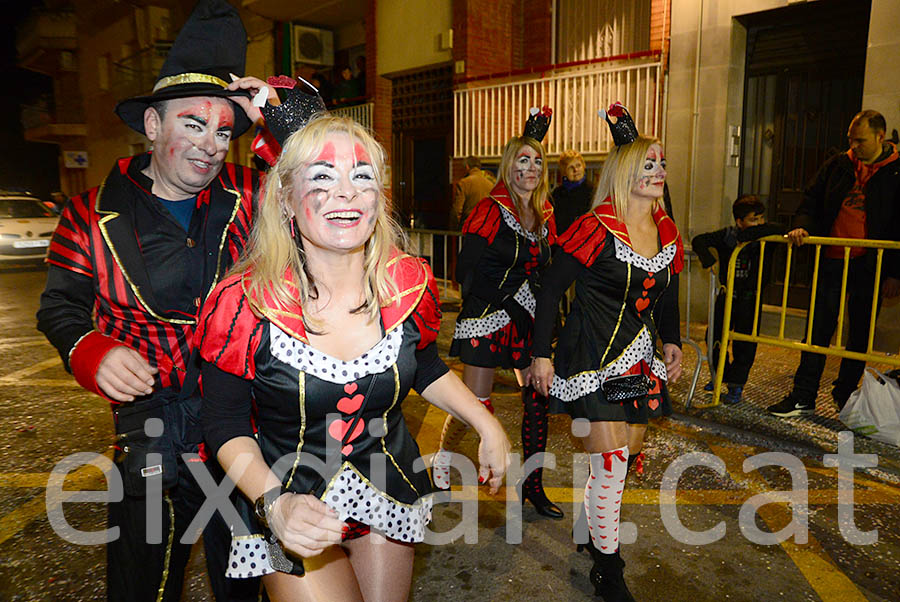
(313, 46)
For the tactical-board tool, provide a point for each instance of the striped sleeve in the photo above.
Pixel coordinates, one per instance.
(584, 240)
(70, 247)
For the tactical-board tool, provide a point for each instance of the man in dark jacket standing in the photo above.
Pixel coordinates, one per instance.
(129, 267)
(854, 195)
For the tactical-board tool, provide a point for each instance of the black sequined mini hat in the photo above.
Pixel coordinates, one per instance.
(622, 129)
(538, 123)
(297, 107)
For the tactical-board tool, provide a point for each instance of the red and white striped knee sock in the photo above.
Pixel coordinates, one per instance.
(603, 498)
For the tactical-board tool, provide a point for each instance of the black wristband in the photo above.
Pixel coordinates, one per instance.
(262, 507)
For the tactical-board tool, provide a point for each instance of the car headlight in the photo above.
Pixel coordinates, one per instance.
(45, 234)
(8, 236)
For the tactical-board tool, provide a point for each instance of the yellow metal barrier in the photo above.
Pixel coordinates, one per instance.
(836, 350)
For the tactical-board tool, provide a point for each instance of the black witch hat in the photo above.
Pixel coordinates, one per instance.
(622, 129)
(538, 122)
(211, 46)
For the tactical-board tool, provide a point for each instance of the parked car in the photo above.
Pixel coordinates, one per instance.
(26, 226)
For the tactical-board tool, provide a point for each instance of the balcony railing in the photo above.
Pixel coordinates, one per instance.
(487, 113)
(361, 113)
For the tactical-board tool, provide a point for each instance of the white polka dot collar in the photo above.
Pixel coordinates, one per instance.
(307, 359)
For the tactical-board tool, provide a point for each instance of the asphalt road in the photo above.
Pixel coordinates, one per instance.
(46, 417)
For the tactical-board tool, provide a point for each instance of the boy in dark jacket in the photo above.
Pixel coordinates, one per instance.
(750, 224)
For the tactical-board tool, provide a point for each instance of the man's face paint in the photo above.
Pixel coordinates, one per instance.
(525, 172)
(335, 197)
(652, 177)
(189, 145)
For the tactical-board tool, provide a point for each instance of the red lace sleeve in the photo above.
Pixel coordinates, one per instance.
(484, 220)
(228, 332)
(584, 239)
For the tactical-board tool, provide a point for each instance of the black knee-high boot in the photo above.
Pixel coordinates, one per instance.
(608, 577)
(534, 441)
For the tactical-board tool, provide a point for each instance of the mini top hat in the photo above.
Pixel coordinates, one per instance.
(538, 123)
(210, 46)
(622, 129)
(295, 110)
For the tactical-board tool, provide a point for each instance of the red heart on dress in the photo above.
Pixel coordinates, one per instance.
(653, 403)
(516, 355)
(649, 282)
(493, 348)
(641, 304)
(350, 388)
(348, 405)
(474, 342)
(338, 428)
(534, 250)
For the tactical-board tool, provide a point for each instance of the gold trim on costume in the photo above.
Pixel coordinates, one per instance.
(384, 436)
(348, 464)
(134, 288)
(188, 78)
(621, 313)
(301, 400)
(165, 574)
(234, 211)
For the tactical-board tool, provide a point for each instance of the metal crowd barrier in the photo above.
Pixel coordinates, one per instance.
(430, 243)
(780, 340)
(689, 258)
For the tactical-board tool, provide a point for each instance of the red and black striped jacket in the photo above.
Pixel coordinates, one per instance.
(105, 268)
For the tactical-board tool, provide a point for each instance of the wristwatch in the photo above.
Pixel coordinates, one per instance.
(262, 507)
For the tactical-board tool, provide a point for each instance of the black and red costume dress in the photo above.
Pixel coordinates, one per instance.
(612, 328)
(498, 269)
(263, 379)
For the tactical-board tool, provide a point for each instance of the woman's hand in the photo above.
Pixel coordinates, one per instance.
(304, 524)
(493, 453)
(672, 358)
(252, 85)
(541, 374)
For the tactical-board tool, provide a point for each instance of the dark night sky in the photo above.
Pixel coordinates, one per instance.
(23, 164)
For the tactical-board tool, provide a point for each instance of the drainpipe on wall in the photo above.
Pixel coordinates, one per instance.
(695, 116)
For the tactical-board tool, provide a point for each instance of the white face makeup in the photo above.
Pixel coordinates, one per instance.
(335, 197)
(525, 172)
(652, 177)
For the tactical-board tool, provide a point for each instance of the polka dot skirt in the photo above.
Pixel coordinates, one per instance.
(491, 323)
(249, 557)
(312, 361)
(584, 383)
(353, 498)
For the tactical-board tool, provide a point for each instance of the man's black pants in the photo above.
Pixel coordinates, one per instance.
(860, 282)
(138, 571)
(737, 367)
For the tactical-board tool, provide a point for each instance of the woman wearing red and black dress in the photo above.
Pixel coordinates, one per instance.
(506, 242)
(306, 419)
(624, 257)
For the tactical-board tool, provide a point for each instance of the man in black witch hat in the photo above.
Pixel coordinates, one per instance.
(129, 267)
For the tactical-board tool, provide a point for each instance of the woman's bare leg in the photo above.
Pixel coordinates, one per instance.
(329, 576)
(383, 567)
(480, 381)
